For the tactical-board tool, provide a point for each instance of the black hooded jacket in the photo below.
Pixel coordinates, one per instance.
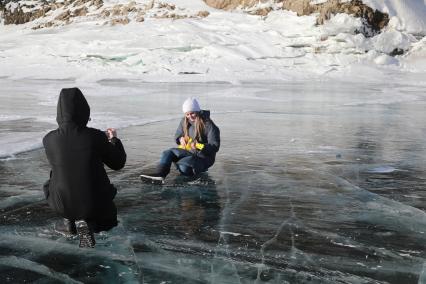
(79, 187)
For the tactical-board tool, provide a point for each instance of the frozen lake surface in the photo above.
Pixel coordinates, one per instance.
(315, 182)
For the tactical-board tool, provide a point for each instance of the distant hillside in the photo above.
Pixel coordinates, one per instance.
(375, 14)
(56, 13)
(63, 12)
(374, 19)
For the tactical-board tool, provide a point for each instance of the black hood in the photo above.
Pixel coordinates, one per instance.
(205, 114)
(72, 107)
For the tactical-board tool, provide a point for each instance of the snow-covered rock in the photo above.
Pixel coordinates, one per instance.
(374, 20)
(405, 15)
(391, 41)
(55, 13)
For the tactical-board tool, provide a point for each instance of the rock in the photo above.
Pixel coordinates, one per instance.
(97, 3)
(121, 10)
(397, 51)
(116, 10)
(203, 14)
(54, 13)
(39, 9)
(17, 17)
(301, 7)
(105, 13)
(171, 16)
(166, 6)
(79, 3)
(261, 12)
(79, 12)
(45, 25)
(64, 16)
(140, 18)
(375, 20)
(120, 21)
(232, 4)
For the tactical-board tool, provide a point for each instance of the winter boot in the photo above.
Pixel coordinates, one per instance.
(65, 227)
(87, 239)
(156, 176)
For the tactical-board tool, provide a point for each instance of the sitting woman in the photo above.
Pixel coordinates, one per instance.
(198, 140)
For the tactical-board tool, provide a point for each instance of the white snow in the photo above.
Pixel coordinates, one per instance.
(389, 40)
(228, 46)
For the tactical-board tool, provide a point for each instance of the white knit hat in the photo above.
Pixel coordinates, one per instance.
(190, 104)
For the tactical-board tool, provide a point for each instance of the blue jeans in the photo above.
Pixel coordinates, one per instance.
(182, 159)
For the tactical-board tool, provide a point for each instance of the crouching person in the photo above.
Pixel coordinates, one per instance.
(197, 139)
(79, 189)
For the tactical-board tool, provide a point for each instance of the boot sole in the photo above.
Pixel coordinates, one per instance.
(87, 239)
(153, 180)
(65, 229)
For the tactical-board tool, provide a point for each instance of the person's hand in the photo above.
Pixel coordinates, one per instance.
(182, 142)
(111, 132)
(193, 146)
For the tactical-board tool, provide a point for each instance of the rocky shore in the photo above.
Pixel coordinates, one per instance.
(53, 13)
(325, 9)
(44, 13)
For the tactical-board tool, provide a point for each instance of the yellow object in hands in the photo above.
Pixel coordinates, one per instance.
(198, 146)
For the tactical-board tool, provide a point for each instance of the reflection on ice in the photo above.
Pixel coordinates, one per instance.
(41, 253)
(383, 170)
(26, 265)
(306, 189)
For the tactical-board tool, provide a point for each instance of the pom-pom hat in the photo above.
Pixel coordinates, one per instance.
(190, 105)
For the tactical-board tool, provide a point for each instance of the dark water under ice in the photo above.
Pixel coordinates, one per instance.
(313, 184)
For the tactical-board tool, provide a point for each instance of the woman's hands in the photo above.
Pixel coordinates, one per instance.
(183, 141)
(187, 143)
(110, 133)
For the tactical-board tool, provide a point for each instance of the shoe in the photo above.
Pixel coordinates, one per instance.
(157, 177)
(65, 227)
(87, 239)
(152, 178)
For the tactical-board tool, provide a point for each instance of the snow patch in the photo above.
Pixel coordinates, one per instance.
(390, 40)
(342, 23)
(385, 59)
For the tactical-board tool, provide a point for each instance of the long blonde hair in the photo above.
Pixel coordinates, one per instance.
(199, 127)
